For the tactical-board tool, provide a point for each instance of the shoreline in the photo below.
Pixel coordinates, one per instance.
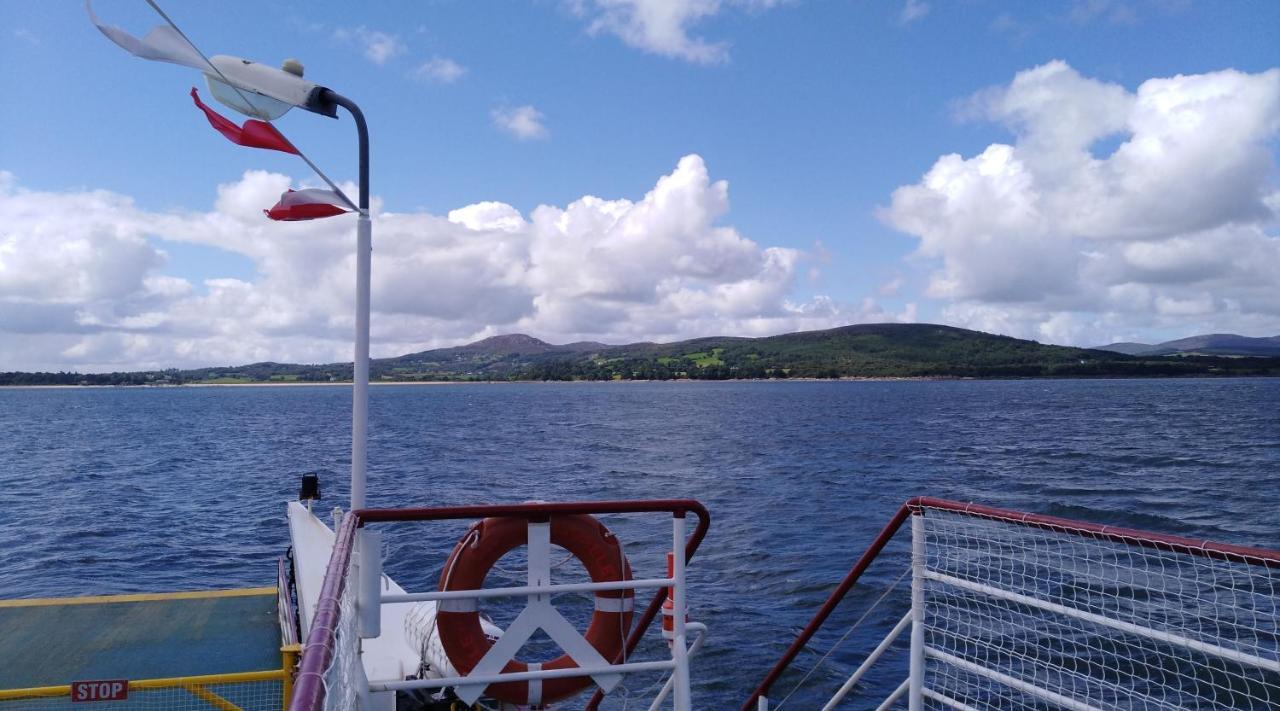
(851, 379)
(386, 383)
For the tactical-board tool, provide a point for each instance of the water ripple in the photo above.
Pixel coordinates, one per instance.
(124, 490)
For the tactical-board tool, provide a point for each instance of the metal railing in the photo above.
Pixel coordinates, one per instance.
(310, 686)
(290, 628)
(286, 613)
(322, 647)
(247, 691)
(1012, 609)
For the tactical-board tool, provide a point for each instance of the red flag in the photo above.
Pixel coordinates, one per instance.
(307, 204)
(254, 133)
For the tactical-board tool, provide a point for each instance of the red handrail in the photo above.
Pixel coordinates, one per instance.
(309, 691)
(1115, 534)
(917, 505)
(539, 510)
(308, 687)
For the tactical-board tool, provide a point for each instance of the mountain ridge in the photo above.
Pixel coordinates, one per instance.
(1219, 344)
(884, 350)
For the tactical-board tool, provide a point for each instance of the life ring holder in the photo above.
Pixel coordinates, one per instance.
(486, 542)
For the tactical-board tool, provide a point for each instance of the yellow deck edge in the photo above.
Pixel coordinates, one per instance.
(136, 597)
(151, 684)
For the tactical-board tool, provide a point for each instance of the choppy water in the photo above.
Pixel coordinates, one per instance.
(121, 490)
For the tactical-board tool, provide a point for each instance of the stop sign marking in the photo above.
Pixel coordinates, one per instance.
(100, 690)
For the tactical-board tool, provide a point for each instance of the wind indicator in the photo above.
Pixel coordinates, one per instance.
(264, 94)
(255, 90)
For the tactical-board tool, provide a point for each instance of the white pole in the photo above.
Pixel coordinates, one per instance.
(915, 696)
(701, 629)
(369, 575)
(360, 376)
(679, 654)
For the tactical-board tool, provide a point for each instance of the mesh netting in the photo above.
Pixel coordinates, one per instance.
(266, 695)
(345, 674)
(1018, 617)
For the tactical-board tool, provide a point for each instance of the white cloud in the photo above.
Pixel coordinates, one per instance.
(1121, 12)
(663, 27)
(27, 36)
(523, 122)
(1117, 12)
(913, 10)
(82, 282)
(1167, 231)
(379, 47)
(1016, 30)
(439, 70)
(893, 286)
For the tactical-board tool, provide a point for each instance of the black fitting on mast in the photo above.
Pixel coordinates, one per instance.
(328, 98)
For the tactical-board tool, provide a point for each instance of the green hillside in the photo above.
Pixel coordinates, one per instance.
(862, 351)
(866, 350)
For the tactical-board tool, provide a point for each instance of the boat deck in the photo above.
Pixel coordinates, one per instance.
(53, 641)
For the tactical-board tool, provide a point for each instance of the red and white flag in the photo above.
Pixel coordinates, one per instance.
(309, 204)
(167, 44)
(254, 133)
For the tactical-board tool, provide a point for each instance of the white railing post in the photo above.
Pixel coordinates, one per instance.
(539, 558)
(915, 695)
(701, 631)
(679, 650)
(539, 576)
(868, 663)
(369, 579)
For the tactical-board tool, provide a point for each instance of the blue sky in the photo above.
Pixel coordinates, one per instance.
(813, 112)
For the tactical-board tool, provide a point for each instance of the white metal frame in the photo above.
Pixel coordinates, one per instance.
(915, 698)
(915, 687)
(540, 614)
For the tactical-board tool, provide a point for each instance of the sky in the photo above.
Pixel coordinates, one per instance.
(1075, 172)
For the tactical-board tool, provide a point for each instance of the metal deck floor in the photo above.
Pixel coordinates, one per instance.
(54, 641)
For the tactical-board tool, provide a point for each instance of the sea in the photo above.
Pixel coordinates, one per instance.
(117, 490)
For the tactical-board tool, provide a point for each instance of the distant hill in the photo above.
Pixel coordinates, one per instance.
(889, 350)
(495, 358)
(1221, 344)
(1127, 348)
(863, 350)
(513, 344)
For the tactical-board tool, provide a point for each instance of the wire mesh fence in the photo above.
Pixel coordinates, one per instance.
(261, 691)
(1031, 617)
(343, 678)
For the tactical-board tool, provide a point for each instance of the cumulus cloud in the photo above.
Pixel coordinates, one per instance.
(1054, 237)
(439, 70)
(523, 122)
(663, 27)
(379, 47)
(82, 282)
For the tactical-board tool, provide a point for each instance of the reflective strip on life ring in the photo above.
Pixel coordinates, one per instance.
(458, 621)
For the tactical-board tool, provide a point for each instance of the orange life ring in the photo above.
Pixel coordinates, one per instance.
(458, 621)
